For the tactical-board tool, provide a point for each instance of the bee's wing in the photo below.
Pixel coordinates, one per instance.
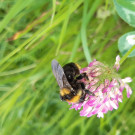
(59, 74)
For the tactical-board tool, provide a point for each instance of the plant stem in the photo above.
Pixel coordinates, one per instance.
(127, 54)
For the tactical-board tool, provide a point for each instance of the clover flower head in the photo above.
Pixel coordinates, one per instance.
(107, 86)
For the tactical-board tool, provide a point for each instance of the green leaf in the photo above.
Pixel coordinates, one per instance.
(126, 10)
(124, 46)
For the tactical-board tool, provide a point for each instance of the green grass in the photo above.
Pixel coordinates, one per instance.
(67, 31)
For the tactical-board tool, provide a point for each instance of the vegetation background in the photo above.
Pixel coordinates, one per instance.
(32, 33)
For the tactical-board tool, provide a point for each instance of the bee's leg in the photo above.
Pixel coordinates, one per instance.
(81, 76)
(81, 100)
(89, 92)
(82, 85)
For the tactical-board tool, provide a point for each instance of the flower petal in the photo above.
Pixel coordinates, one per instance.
(127, 79)
(128, 89)
(113, 104)
(117, 63)
(100, 114)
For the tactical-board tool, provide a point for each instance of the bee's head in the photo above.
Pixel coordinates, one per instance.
(71, 70)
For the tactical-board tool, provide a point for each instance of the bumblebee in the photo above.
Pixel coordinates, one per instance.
(72, 89)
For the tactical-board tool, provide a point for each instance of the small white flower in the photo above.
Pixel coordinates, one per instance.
(131, 39)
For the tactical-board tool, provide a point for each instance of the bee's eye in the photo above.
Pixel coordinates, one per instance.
(69, 77)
